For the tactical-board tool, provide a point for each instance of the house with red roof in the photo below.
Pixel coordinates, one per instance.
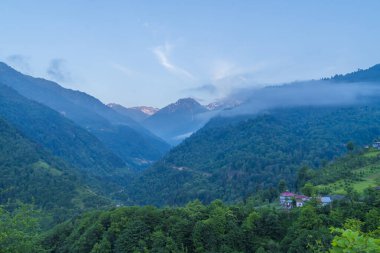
(289, 200)
(286, 199)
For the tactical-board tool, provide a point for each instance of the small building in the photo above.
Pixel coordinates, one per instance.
(376, 145)
(286, 195)
(299, 203)
(289, 199)
(286, 199)
(325, 201)
(301, 199)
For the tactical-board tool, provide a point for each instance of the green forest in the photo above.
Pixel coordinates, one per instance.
(233, 158)
(350, 224)
(32, 175)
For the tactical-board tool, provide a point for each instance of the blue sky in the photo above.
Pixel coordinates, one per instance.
(154, 52)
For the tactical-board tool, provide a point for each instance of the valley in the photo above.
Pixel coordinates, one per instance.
(222, 182)
(189, 127)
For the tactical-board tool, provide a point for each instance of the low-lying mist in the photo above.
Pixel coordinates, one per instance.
(312, 93)
(251, 101)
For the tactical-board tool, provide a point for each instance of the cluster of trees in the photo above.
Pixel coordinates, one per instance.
(231, 159)
(20, 230)
(349, 225)
(352, 224)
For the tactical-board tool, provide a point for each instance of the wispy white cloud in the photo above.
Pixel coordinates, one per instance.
(123, 69)
(224, 77)
(223, 69)
(162, 53)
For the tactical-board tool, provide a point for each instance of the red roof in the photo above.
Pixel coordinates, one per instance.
(287, 194)
(301, 197)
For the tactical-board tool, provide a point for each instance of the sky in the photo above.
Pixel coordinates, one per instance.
(155, 52)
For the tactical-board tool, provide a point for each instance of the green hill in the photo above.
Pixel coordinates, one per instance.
(56, 133)
(232, 158)
(32, 175)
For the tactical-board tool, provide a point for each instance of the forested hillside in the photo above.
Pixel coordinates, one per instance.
(57, 134)
(232, 158)
(350, 224)
(32, 175)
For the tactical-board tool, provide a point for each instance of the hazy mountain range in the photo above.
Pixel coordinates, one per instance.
(125, 137)
(174, 122)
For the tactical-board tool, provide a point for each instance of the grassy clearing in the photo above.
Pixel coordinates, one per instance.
(369, 177)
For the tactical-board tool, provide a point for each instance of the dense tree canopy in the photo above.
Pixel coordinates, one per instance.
(224, 228)
(32, 175)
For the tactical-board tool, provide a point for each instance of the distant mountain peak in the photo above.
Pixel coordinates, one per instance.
(137, 113)
(146, 109)
(177, 121)
(182, 104)
(220, 105)
(186, 101)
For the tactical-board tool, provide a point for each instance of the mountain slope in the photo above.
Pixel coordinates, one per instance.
(56, 133)
(233, 160)
(121, 134)
(32, 175)
(177, 121)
